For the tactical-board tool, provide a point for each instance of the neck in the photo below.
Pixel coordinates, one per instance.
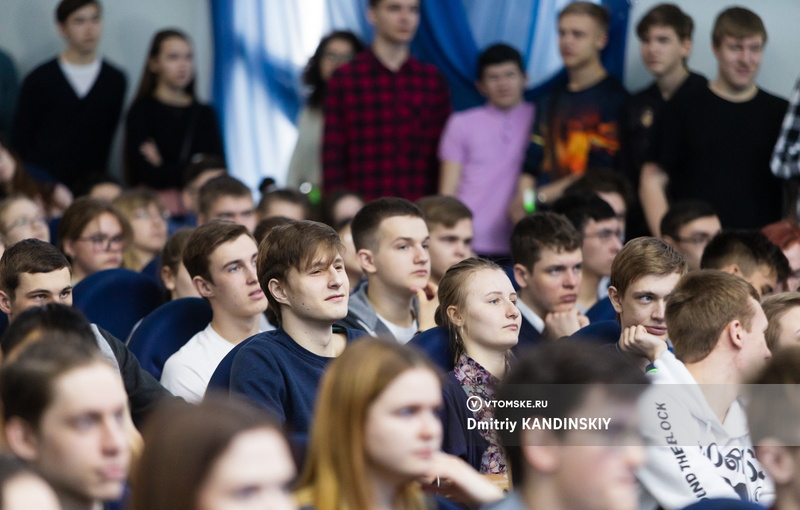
(585, 76)
(538, 493)
(670, 82)
(77, 275)
(75, 502)
(78, 58)
(383, 490)
(314, 336)
(172, 96)
(392, 55)
(493, 361)
(234, 329)
(718, 383)
(735, 95)
(785, 499)
(587, 293)
(389, 304)
(525, 298)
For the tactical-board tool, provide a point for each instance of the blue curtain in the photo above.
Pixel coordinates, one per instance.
(258, 60)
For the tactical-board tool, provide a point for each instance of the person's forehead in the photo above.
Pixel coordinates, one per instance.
(402, 226)
(659, 283)
(550, 256)
(746, 40)
(87, 11)
(243, 247)
(57, 279)
(708, 224)
(661, 30)
(232, 203)
(578, 21)
(73, 390)
(103, 224)
(462, 227)
(595, 225)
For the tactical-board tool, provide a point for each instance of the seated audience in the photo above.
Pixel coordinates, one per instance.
(21, 488)
(377, 433)
(300, 270)
(748, 254)
(643, 277)
(609, 185)
(334, 50)
(602, 234)
(22, 218)
(355, 274)
(783, 316)
(450, 226)
(103, 187)
(221, 260)
(52, 321)
(147, 217)
(688, 227)
(34, 273)
(716, 326)
(284, 202)
(264, 226)
(482, 148)
(786, 236)
(166, 124)
(572, 468)
(772, 416)
(220, 454)
(340, 206)
(546, 249)
(226, 198)
(478, 308)
(173, 273)
(64, 413)
(398, 300)
(93, 234)
(199, 171)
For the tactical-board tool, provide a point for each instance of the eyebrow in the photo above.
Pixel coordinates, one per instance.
(410, 239)
(232, 262)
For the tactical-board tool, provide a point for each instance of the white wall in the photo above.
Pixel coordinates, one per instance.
(780, 66)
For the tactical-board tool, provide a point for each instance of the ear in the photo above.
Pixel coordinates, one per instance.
(454, 316)
(278, 291)
(732, 269)
(166, 277)
(601, 42)
(735, 329)
(5, 302)
(616, 299)
(686, 48)
(21, 439)
(539, 451)
(68, 248)
(481, 88)
(204, 288)
(367, 260)
(371, 15)
(777, 460)
(521, 274)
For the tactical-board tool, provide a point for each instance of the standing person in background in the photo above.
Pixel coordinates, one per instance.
(482, 149)
(166, 123)
(69, 107)
(384, 113)
(334, 50)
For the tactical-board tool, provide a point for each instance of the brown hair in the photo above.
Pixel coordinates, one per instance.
(453, 291)
(218, 187)
(533, 234)
(295, 245)
(775, 411)
(775, 307)
(22, 183)
(83, 211)
(701, 306)
(645, 256)
(594, 11)
(443, 210)
(172, 254)
(284, 195)
(127, 203)
(336, 466)
(666, 15)
(204, 240)
(29, 256)
(182, 444)
(149, 81)
(737, 22)
(367, 221)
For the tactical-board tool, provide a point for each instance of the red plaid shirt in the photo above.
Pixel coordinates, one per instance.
(382, 128)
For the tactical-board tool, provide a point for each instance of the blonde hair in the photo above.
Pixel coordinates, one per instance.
(775, 307)
(336, 466)
(127, 203)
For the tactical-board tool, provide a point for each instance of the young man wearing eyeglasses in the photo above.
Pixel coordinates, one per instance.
(688, 227)
(602, 239)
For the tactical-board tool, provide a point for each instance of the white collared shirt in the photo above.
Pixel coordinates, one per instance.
(536, 321)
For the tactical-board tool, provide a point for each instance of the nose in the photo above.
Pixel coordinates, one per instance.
(337, 278)
(660, 310)
(113, 440)
(431, 426)
(461, 249)
(421, 255)
(512, 311)
(634, 455)
(571, 279)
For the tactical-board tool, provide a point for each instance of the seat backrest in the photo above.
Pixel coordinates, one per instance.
(151, 270)
(436, 344)
(167, 329)
(116, 299)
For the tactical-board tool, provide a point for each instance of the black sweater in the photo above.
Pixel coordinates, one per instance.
(68, 136)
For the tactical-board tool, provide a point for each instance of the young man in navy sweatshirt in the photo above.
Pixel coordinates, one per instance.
(301, 270)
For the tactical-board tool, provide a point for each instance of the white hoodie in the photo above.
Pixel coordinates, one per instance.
(690, 454)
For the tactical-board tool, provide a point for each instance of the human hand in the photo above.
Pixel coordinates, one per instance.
(636, 341)
(560, 324)
(428, 302)
(149, 150)
(454, 479)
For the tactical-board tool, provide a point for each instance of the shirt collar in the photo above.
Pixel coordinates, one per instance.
(529, 315)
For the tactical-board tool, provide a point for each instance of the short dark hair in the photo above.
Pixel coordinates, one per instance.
(267, 224)
(284, 195)
(681, 213)
(603, 180)
(202, 163)
(67, 7)
(666, 15)
(204, 240)
(29, 256)
(581, 207)
(443, 210)
(499, 54)
(542, 230)
(27, 383)
(218, 187)
(566, 362)
(737, 22)
(53, 322)
(294, 245)
(597, 12)
(368, 220)
(172, 253)
(749, 249)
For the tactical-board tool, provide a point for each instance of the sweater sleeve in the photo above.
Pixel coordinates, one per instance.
(28, 115)
(136, 133)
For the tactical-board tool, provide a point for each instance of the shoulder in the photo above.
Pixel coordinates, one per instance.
(613, 87)
(771, 100)
(112, 71)
(44, 71)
